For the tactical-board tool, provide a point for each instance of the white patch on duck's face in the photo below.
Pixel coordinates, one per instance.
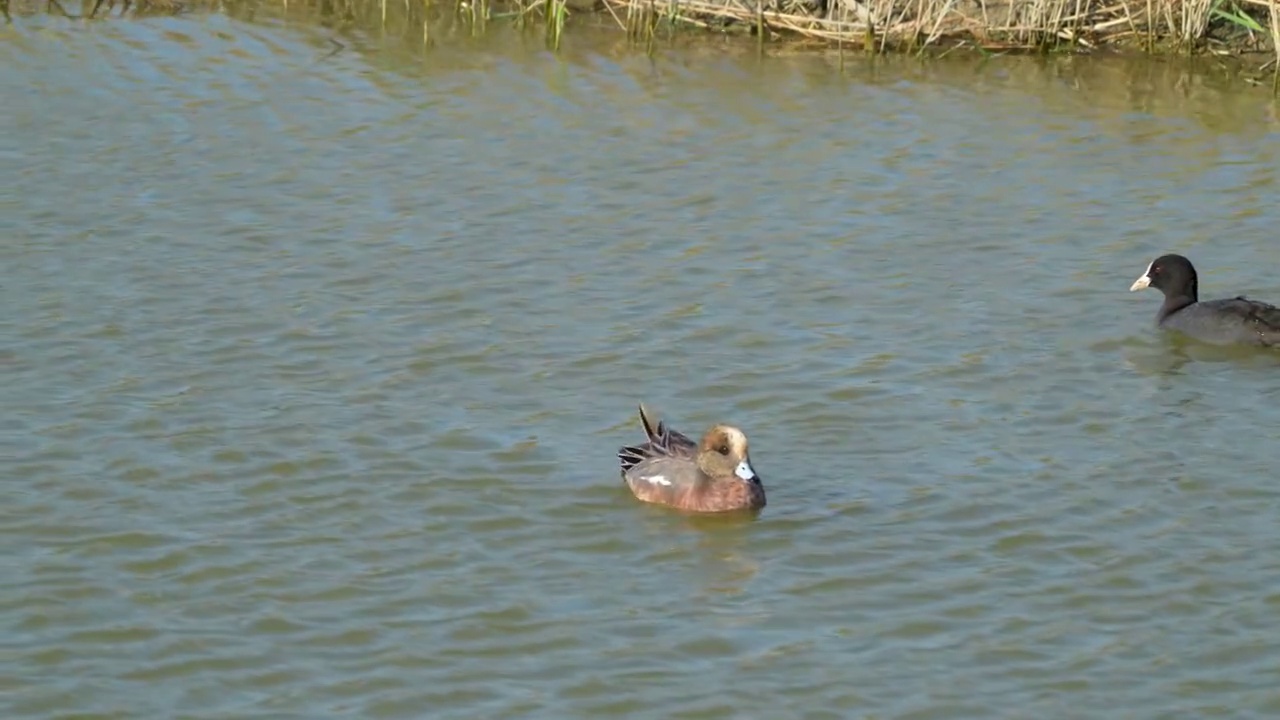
(657, 480)
(745, 471)
(1143, 281)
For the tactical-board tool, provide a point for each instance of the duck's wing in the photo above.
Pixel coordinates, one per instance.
(662, 442)
(665, 480)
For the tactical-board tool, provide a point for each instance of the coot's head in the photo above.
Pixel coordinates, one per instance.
(1171, 274)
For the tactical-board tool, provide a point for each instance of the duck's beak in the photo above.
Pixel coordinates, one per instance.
(746, 472)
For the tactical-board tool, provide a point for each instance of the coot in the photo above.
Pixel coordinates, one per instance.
(1230, 321)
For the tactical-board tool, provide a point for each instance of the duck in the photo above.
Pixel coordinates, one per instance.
(713, 475)
(1229, 321)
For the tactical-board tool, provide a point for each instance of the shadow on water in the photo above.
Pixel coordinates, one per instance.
(1165, 352)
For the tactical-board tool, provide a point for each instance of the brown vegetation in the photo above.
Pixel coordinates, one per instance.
(1243, 28)
(1000, 24)
(1178, 26)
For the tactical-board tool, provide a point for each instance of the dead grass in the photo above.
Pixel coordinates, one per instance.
(1275, 45)
(991, 25)
(1217, 27)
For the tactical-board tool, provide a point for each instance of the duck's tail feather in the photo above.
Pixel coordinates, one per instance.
(653, 432)
(631, 455)
(661, 441)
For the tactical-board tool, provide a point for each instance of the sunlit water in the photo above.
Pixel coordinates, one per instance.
(315, 368)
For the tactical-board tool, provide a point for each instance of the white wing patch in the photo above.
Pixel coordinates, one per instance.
(657, 480)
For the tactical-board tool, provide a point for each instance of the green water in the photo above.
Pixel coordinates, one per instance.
(315, 368)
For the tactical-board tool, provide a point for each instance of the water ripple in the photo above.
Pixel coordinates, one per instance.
(317, 369)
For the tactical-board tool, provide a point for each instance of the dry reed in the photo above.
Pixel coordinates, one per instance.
(1275, 45)
(1221, 27)
(992, 25)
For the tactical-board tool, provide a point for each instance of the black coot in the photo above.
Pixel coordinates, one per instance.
(1231, 321)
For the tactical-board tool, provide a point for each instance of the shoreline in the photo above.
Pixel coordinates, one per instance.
(1245, 31)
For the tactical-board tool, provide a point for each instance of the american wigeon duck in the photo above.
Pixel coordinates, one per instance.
(714, 475)
(1229, 321)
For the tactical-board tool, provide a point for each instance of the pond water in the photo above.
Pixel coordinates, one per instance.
(316, 363)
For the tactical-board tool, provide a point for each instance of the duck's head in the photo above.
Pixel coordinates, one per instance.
(723, 453)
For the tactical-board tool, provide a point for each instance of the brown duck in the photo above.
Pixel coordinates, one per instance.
(714, 475)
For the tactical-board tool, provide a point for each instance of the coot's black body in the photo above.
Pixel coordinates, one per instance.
(1230, 321)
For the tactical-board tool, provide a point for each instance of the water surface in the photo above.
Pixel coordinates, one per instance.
(315, 368)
